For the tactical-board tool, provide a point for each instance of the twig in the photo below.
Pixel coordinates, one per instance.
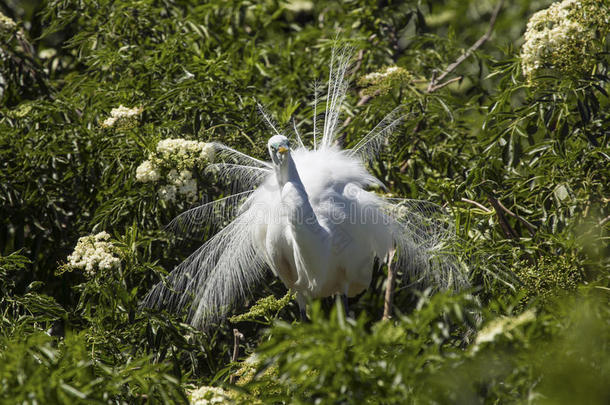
(363, 100)
(359, 59)
(433, 86)
(508, 230)
(447, 83)
(481, 206)
(603, 221)
(389, 289)
(530, 227)
(237, 335)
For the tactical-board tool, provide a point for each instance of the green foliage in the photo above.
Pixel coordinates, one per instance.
(549, 278)
(43, 370)
(384, 81)
(267, 308)
(342, 360)
(558, 357)
(521, 163)
(543, 357)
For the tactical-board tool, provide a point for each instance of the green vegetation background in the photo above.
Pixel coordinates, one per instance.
(533, 156)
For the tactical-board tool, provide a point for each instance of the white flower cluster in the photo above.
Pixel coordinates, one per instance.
(176, 159)
(10, 28)
(503, 325)
(181, 183)
(146, 172)
(381, 75)
(94, 252)
(182, 148)
(6, 24)
(207, 395)
(122, 116)
(561, 38)
(384, 80)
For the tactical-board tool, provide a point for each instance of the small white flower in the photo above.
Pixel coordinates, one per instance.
(102, 236)
(390, 70)
(6, 24)
(108, 122)
(173, 176)
(178, 146)
(147, 172)
(209, 395)
(185, 175)
(207, 152)
(373, 76)
(94, 252)
(380, 75)
(381, 82)
(188, 188)
(173, 164)
(122, 114)
(167, 193)
(183, 147)
(502, 326)
(47, 53)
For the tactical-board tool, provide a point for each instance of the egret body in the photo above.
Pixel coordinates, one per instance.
(321, 242)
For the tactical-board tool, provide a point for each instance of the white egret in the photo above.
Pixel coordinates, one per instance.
(309, 218)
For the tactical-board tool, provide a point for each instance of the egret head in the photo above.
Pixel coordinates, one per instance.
(279, 148)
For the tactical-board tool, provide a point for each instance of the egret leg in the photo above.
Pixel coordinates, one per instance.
(303, 314)
(345, 305)
(302, 302)
(344, 298)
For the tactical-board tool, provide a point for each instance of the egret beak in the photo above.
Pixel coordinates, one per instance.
(282, 149)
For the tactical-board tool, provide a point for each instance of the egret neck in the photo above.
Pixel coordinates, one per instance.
(294, 197)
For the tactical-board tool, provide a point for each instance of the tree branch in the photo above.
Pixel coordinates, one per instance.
(508, 230)
(389, 289)
(530, 227)
(447, 83)
(358, 65)
(237, 335)
(481, 206)
(433, 86)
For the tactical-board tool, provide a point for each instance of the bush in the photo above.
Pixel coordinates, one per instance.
(106, 112)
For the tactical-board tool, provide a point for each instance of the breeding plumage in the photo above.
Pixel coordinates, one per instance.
(310, 218)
